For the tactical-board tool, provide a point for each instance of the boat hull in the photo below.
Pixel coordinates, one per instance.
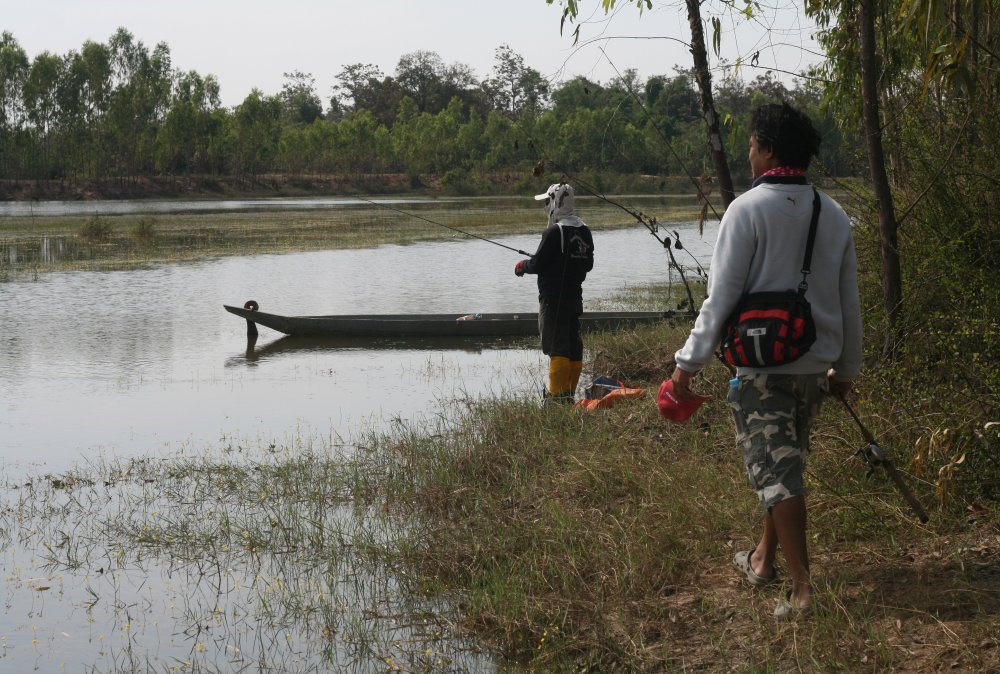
(437, 325)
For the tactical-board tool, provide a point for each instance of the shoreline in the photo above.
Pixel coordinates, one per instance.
(281, 185)
(208, 187)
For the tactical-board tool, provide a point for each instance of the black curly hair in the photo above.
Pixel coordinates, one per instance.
(787, 131)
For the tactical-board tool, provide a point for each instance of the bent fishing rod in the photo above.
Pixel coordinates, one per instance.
(875, 456)
(441, 224)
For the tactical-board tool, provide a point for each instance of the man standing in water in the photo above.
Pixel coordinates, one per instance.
(760, 247)
(564, 256)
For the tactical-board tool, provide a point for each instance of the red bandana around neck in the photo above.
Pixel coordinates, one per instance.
(784, 171)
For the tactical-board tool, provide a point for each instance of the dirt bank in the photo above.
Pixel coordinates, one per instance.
(212, 187)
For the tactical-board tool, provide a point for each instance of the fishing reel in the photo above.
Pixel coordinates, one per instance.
(873, 456)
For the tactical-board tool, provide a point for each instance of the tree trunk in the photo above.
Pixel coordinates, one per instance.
(893, 151)
(892, 284)
(704, 78)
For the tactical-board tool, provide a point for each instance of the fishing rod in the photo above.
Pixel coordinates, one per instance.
(651, 225)
(441, 224)
(649, 222)
(875, 456)
(872, 453)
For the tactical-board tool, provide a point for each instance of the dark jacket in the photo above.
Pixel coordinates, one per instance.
(564, 256)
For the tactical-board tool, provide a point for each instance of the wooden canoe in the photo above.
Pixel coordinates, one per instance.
(438, 325)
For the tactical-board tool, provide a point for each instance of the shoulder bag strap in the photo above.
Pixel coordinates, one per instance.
(807, 260)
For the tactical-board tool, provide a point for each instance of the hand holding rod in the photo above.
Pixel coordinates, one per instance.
(874, 455)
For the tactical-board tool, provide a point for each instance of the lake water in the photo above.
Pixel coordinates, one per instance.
(147, 363)
(142, 361)
(154, 206)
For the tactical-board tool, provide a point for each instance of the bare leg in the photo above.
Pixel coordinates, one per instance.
(788, 523)
(762, 558)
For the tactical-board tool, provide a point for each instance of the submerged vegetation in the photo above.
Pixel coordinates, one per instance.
(265, 558)
(42, 244)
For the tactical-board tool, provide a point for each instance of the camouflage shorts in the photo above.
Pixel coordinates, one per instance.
(773, 413)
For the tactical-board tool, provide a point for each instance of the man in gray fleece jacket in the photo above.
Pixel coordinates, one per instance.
(762, 239)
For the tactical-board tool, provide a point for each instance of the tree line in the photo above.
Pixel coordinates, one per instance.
(119, 110)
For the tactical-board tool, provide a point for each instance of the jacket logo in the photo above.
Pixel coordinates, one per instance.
(578, 248)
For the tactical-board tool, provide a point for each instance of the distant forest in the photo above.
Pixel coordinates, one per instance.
(120, 111)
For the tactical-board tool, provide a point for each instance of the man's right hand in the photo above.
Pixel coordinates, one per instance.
(519, 268)
(682, 384)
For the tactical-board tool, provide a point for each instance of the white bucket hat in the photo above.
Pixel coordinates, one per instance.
(561, 201)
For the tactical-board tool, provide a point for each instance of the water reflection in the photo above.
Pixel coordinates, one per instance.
(136, 361)
(295, 346)
(166, 206)
(46, 249)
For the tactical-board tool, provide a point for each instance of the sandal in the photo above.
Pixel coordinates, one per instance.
(786, 610)
(742, 562)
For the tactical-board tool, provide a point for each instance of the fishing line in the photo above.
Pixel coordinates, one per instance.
(649, 223)
(670, 146)
(440, 224)
(652, 227)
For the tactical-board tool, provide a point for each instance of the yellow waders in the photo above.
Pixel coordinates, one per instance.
(561, 382)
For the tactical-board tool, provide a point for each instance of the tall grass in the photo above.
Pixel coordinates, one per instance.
(555, 539)
(603, 541)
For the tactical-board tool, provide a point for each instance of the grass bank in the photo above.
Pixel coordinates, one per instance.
(602, 541)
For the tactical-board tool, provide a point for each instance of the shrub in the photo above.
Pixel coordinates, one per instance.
(458, 181)
(95, 230)
(144, 230)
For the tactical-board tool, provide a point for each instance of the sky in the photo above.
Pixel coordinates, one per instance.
(251, 44)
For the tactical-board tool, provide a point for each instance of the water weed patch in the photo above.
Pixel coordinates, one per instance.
(261, 556)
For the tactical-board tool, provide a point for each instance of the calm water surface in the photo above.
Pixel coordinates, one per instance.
(154, 206)
(99, 365)
(140, 362)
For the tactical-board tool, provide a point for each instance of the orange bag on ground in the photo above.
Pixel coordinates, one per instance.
(606, 392)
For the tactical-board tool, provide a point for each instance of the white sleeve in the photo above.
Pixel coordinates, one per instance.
(727, 280)
(848, 365)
